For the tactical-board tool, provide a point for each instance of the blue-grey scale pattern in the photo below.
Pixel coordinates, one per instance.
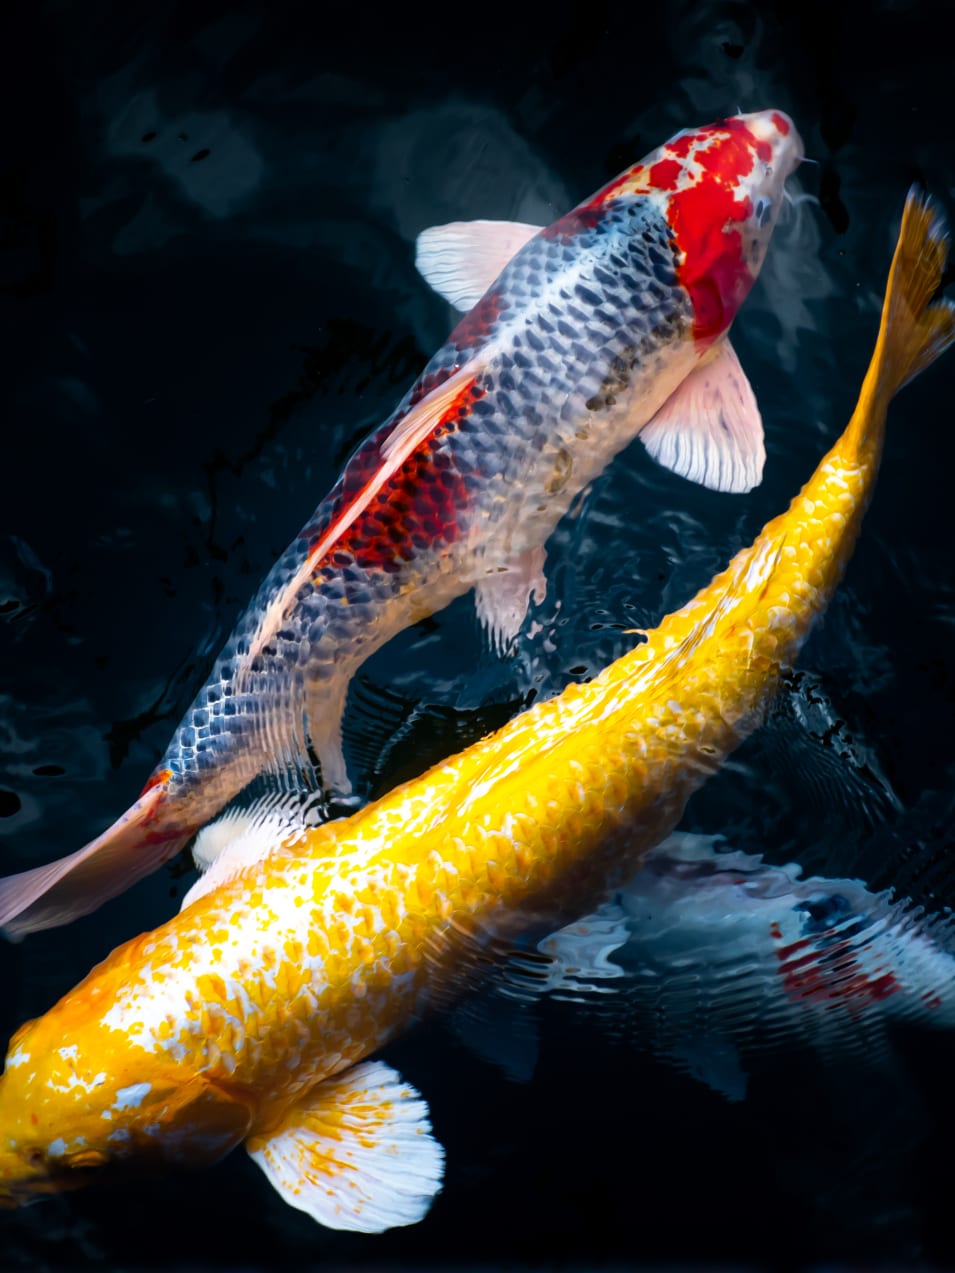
(581, 318)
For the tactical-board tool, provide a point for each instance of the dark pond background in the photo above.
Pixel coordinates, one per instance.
(207, 297)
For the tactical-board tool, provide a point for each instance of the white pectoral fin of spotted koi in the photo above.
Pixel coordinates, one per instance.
(502, 596)
(242, 837)
(461, 260)
(710, 430)
(355, 1152)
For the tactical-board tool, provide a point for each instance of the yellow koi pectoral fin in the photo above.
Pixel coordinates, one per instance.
(61, 891)
(710, 430)
(356, 1152)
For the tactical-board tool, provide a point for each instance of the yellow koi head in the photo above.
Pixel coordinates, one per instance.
(77, 1096)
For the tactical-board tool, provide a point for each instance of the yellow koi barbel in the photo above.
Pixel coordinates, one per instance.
(249, 1017)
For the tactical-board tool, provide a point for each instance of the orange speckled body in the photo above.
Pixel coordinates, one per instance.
(205, 1032)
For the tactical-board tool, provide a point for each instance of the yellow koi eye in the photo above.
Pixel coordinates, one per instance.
(35, 1158)
(88, 1158)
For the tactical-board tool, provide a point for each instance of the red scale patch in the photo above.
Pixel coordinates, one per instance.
(478, 323)
(583, 218)
(417, 509)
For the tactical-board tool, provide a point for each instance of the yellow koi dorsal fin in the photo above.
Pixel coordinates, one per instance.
(355, 1152)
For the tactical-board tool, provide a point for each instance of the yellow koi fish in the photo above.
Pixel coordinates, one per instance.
(249, 1017)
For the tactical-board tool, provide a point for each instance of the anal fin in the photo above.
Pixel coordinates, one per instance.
(355, 1152)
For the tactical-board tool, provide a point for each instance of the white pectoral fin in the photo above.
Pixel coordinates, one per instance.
(355, 1152)
(462, 259)
(503, 595)
(709, 430)
(242, 837)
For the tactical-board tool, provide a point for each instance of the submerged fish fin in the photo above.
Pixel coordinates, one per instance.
(709, 430)
(426, 415)
(462, 259)
(499, 1030)
(244, 836)
(503, 595)
(61, 891)
(355, 1152)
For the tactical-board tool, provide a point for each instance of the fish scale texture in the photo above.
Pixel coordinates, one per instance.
(564, 348)
(321, 953)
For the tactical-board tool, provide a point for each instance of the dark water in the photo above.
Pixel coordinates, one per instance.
(207, 216)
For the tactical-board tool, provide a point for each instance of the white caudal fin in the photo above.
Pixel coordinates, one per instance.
(242, 837)
(462, 259)
(710, 430)
(502, 596)
(355, 1152)
(61, 891)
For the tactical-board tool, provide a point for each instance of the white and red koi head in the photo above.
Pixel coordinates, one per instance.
(719, 188)
(78, 1098)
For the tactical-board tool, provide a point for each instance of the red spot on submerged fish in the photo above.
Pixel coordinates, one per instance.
(831, 974)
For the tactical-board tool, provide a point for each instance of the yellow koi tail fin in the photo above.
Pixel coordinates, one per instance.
(915, 329)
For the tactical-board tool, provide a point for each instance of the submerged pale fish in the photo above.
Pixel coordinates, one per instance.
(709, 956)
(248, 1017)
(608, 324)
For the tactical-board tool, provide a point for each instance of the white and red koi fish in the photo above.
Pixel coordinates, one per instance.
(249, 1017)
(609, 324)
(709, 955)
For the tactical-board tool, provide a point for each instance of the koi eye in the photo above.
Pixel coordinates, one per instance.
(762, 210)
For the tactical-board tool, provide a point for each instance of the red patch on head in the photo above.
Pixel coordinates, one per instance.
(681, 146)
(701, 216)
(665, 174)
(781, 122)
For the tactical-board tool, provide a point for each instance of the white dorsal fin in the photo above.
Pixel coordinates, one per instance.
(355, 1152)
(502, 596)
(241, 838)
(710, 430)
(462, 259)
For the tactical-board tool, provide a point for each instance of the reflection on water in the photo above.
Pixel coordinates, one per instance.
(208, 296)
